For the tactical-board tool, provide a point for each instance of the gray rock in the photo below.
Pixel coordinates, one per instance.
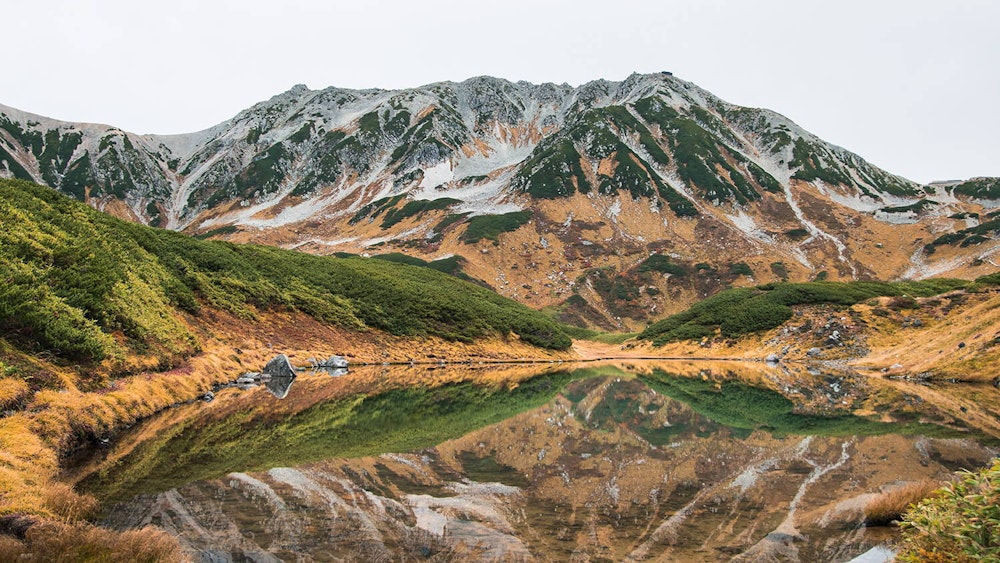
(249, 378)
(208, 396)
(772, 359)
(813, 352)
(279, 367)
(333, 362)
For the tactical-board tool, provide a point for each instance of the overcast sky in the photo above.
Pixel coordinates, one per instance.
(912, 86)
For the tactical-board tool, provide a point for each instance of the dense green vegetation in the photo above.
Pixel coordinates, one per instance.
(807, 157)
(490, 226)
(736, 312)
(917, 207)
(553, 170)
(982, 188)
(960, 522)
(416, 207)
(451, 265)
(373, 209)
(699, 155)
(75, 277)
(661, 263)
(398, 420)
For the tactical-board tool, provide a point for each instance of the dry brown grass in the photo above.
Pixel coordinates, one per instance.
(68, 505)
(891, 505)
(12, 391)
(54, 541)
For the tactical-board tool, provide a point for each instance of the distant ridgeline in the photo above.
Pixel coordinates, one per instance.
(85, 286)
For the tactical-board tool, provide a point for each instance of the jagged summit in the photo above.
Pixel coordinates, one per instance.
(604, 174)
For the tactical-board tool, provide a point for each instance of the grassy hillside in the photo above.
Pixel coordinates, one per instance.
(85, 287)
(737, 312)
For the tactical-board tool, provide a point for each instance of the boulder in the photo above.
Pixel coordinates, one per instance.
(333, 362)
(772, 359)
(280, 366)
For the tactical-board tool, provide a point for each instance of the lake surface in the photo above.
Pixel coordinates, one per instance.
(685, 461)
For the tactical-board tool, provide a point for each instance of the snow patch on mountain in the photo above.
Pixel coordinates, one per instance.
(437, 175)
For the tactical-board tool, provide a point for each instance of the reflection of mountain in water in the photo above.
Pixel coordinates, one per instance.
(612, 467)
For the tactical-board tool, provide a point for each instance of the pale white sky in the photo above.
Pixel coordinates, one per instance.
(912, 86)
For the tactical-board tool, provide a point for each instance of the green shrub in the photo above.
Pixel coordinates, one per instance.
(74, 276)
(661, 263)
(736, 312)
(490, 226)
(416, 207)
(553, 171)
(740, 269)
(961, 523)
(985, 188)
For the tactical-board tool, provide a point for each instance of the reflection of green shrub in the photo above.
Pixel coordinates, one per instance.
(397, 420)
(736, 404)
(961, 523)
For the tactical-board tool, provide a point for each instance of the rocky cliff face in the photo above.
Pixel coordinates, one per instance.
(551, 194)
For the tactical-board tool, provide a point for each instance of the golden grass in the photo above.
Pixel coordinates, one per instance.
(55, 541)
(68, 505)
(12, 391)
(891, 505)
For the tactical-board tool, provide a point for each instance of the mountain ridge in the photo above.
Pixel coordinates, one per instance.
(650, 164)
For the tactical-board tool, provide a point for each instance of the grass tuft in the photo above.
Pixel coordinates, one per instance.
(890, 506)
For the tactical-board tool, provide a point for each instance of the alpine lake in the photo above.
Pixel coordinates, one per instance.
(613, 461)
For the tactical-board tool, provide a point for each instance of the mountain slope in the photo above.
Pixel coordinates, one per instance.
(578, 186)
(88, 287)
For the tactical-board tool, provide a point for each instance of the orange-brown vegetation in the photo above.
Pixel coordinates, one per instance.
(55, 541)
(890, 505)
(951, 336)
(69, 413)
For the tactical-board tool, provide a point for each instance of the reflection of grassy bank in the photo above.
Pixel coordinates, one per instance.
(742, 406)
(402, 419)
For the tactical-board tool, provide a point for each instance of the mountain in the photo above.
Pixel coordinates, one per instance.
(84, 286)
(612, 202)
